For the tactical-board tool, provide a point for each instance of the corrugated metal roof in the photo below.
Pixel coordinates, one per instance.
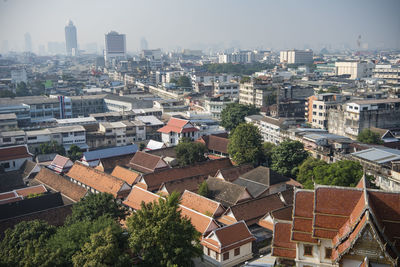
(110, 152)
(378, 155)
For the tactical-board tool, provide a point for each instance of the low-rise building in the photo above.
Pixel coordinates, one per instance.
(12, 158)
(176, 129)
(389, 73)
(317, 108)
(255, 92)
(354, 69)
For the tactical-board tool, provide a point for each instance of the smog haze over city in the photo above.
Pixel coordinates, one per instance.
(209, 24)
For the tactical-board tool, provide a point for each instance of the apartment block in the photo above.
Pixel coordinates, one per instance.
(388, 73)
(317, 107)
(296, 56)
(351, 118)
(356, 69)
(255, 92)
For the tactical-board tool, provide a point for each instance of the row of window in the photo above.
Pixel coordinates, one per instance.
(225, 256)
(308, 251)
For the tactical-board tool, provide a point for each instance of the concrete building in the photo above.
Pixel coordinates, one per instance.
(296, 56)
(317, 106)
(71, 42)
(255, 92)
(351, 118)
(8, 121)
(12, 158)
(18, 76)
(388, 73)
(356, 69)
(237, 57)
(176, 129)
(215, 105)
(154, 57)
(115, 46)
(230, 89)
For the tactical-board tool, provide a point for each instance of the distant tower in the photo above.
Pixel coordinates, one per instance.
(144, 45)
(28, 42)
(115, 46)
(71, 42)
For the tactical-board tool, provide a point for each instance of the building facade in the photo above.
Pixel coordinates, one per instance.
(296, 56)
(71, 42)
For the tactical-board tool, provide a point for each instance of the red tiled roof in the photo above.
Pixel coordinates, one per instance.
(203, 223)
(154, 180)
(252, 210)
(188, 183)
(38, 189)
(98, 180)
(60, 161)
(147, 163)
(303, 217)
(201, 204)
(214, 142)
(282, 246)
(60, 184)
(230, 237)
(15, 152)
(176, 125)
(125, 174)
(139, 195)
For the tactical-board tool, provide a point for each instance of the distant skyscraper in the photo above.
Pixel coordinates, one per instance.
(28, 42)
(115, 46)
(71, 42)
(144, 45)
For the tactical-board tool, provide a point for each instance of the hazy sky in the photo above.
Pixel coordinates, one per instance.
(196, 24)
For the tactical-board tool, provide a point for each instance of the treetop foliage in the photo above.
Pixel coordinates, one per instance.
(188, 152)
(369, 137)
(287, 157)
(161, 236)
(234, 113)
(245, 144)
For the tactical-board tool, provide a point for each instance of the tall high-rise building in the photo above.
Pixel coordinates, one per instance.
(28, 42)
(71, 42)
(115, 46)
(144, 45)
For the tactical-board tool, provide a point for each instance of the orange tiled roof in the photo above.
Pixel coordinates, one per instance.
(176, 125)
(203, 223)
(139, 195)
(125, 174)
(98, 180)
(60, 184)
(303, 216)
(201, 204)
(229, 237)
(38, 189)
(282, 246)
(154, 180)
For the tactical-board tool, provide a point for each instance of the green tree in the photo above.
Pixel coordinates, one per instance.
(22, 244)
(142, 146)
(105, 248)
(22, 89)
(287, 157)
(306, 174)
(188, 152)
(233, 114)
(245, 144)
(52, 147)
(203, 189)
(75, 152)
(161, 236)
(369, 137)
(95, 205)
(69, 239)
(267, 149)
(340, 173)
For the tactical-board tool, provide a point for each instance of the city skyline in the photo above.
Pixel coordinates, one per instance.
(171, 25)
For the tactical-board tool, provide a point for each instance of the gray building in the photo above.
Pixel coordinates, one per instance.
(71, 42)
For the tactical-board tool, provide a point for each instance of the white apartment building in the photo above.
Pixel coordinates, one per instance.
(65, 135)
(317, 107)
(356, 69)
(230, 89)
(296, 56)
(254, 93)
(116, 130)
(209, 78)
(215, 105)
(388, 73)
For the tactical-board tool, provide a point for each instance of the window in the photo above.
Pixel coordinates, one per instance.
(65, 134)
(308, 250)
(226, 256)
(6, 139)
(32, 137)
(328, 253)
(217, 256)
(208, 252)
(6, 165)
(237, 251)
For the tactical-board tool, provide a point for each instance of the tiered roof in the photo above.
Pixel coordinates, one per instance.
(178, 126)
